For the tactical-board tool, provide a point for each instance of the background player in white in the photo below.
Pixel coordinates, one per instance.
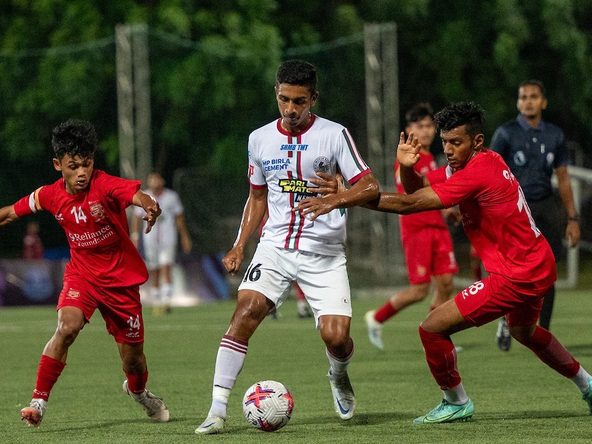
(285, 156)
(160, 244)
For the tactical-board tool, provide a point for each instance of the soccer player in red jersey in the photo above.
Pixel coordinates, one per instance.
(427, 244)
(105, 269)
(498, 223)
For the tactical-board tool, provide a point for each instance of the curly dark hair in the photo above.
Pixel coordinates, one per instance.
(297, 72)
(462, 113)
(75, 138)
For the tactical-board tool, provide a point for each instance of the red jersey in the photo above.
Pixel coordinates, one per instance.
(496, 218)
(417, 221)
(96, 226)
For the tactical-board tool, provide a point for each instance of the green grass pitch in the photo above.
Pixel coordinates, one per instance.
(517, 399)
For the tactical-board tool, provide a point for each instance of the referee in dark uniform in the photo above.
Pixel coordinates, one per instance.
(534, 149)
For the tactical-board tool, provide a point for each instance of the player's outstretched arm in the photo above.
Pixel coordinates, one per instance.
(364, 190)
(7, 215)
(253, 214)
(150, 206)
(422, 200)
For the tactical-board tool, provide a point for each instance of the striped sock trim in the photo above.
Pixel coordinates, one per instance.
(235, 344)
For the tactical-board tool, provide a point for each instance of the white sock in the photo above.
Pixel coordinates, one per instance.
(166, 293)
(456, 395)
(338, 365)
(582, 379)
(229, 362)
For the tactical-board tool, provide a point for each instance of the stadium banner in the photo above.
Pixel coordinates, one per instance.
(198, 279)
(30, 282)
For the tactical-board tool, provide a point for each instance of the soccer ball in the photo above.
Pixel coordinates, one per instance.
(268, 405)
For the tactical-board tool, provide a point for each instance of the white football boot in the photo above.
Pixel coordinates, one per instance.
(374, 330)
(212, 425)
(154, 406)
(343, 395)
(33, 414)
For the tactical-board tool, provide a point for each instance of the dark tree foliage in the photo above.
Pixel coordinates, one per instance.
(213, 63)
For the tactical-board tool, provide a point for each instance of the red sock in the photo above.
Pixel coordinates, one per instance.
(441, 358)
(385, 312)
(136, 383)
(551, 352)
(48, 372)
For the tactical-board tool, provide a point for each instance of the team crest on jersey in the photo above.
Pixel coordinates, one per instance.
(96, 211)
(322, 165)
(73, 294)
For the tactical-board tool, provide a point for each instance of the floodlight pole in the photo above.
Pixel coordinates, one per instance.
(382, 120)
(133, 100)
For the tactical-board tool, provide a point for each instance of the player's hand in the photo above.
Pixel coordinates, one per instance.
(408, 150)
(152, 212)
(572, 233)
(313, 207)
(233, 259)
(452, 214)
(327, 184)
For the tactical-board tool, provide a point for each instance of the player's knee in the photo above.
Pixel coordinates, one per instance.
(68, 331)
(134, 363)
(446, 287)
(521, 334)
(336, 337)
(418, 292)
(248, 315)
(251, 314)
(336, 342)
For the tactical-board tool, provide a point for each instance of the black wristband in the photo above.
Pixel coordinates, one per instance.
(575, 218)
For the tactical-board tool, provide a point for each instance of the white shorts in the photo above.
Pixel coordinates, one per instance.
(323, 279)
(157, 256)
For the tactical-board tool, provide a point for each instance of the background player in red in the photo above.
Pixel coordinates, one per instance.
(427, 244)
(105, 269)
(32, 244)
(516, 255)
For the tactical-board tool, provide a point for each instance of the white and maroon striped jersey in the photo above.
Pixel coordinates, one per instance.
(285, 163)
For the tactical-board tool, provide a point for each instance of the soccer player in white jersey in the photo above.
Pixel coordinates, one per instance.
(285, 158)
(160, 245)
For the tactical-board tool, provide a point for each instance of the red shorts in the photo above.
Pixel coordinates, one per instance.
(495, 296)
(428, 252)
(120, 307)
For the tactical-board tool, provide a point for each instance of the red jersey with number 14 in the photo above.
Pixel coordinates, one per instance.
(96, 226)
(496, 218)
